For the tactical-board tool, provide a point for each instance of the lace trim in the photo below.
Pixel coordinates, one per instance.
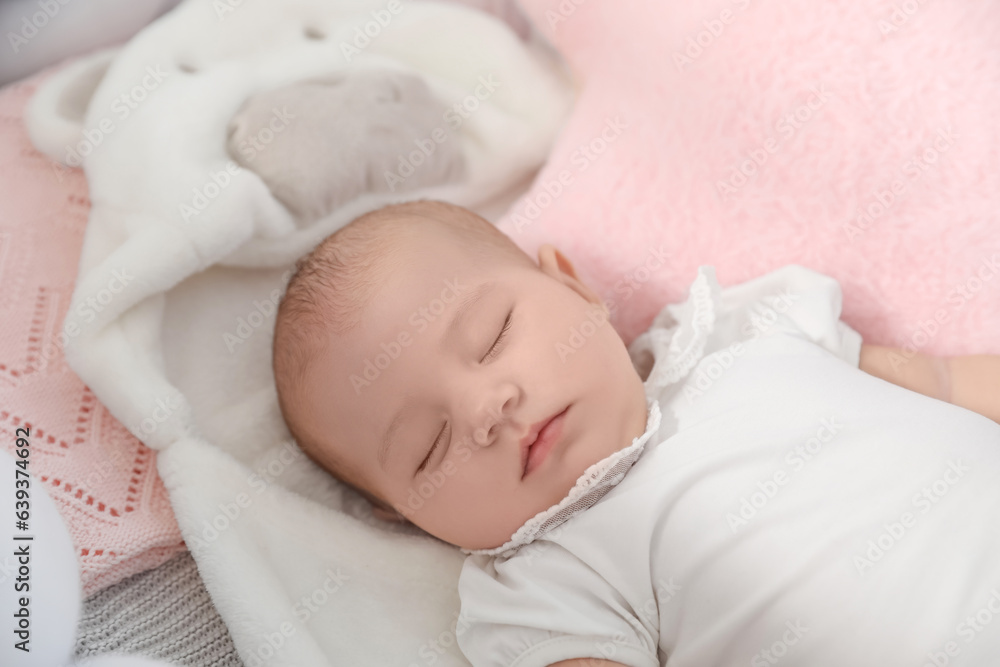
(682, 330)
(590, 487)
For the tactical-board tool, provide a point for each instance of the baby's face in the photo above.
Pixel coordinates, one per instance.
(467, 356)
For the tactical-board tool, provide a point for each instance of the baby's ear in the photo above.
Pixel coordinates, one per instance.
(387, 515)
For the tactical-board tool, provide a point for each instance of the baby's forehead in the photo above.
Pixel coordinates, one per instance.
(430, 250)
(422, 293)
(413, 267)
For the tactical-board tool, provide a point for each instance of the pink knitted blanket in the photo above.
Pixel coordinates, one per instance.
(857, 139)
(102, 478)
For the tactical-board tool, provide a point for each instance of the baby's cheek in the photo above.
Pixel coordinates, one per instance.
(602, 343)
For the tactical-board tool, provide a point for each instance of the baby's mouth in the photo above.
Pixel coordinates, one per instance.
(540, 441)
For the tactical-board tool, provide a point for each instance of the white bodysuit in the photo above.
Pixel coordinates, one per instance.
(782, 508)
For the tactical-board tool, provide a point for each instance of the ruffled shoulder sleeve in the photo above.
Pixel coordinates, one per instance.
(677, 339)
(791, 300)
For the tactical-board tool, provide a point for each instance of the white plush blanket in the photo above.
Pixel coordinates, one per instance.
(172, 316)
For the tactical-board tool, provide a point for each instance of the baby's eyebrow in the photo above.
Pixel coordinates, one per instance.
(464, 306)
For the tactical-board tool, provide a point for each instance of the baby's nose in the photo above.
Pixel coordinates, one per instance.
(487, 434)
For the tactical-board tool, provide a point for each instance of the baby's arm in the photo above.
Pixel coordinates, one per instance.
(971, 381)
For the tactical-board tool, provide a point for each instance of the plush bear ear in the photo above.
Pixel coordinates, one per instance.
(56, 112)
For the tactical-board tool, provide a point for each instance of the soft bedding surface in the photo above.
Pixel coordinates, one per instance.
(182, 264)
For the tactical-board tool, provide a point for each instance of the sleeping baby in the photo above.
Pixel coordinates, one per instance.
(730, 489)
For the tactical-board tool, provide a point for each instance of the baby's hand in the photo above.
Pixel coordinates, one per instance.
(971, 381)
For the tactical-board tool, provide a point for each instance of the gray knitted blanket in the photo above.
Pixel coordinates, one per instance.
(164, 613)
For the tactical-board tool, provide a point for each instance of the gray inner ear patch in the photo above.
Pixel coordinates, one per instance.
(320, 143)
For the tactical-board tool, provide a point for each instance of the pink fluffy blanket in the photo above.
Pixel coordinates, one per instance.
(857, 139)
